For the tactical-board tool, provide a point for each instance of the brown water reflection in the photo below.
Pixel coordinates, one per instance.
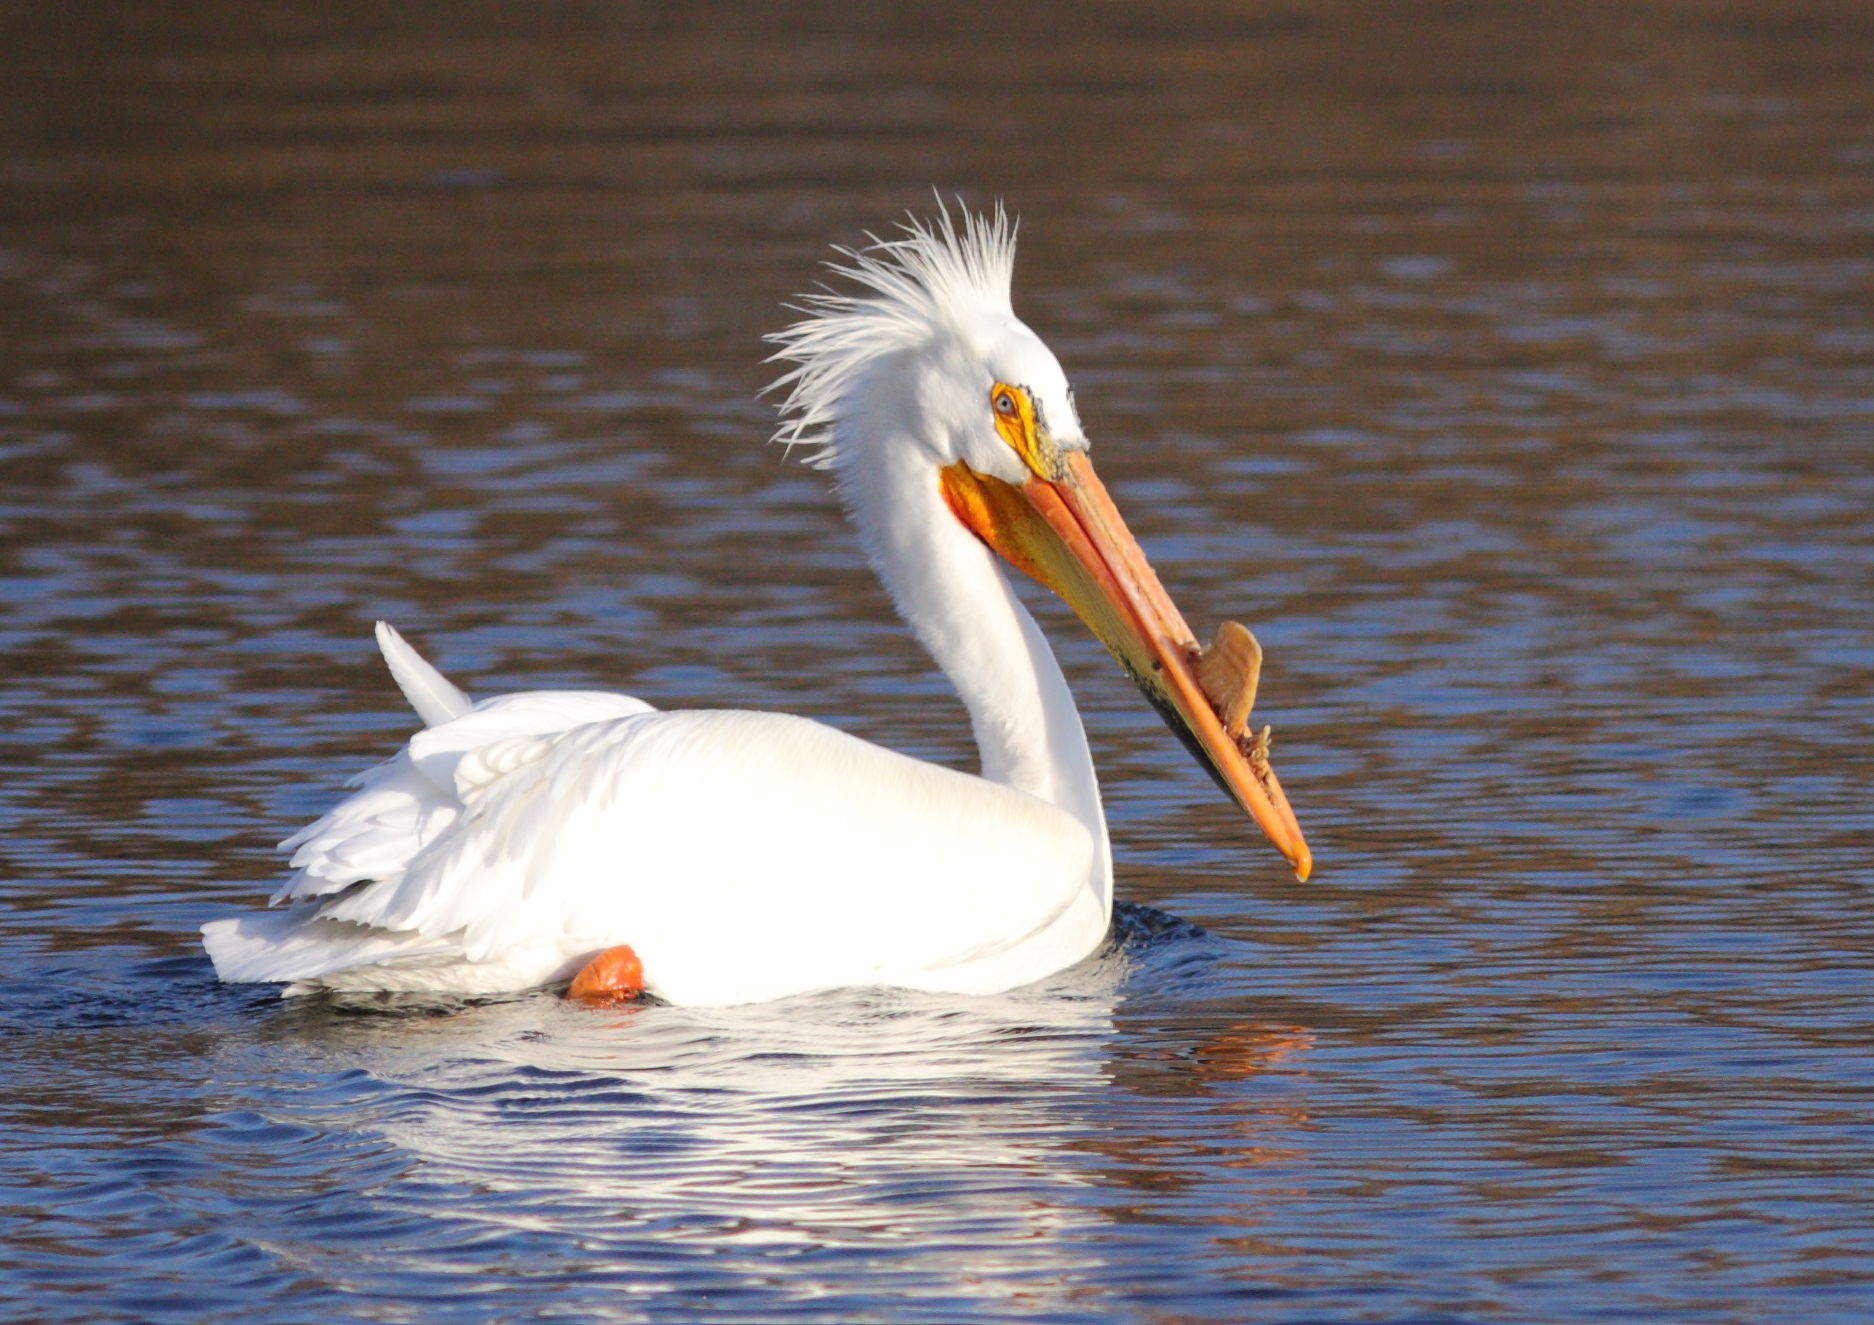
(1511, 368)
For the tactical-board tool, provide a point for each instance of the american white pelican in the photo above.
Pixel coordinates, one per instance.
(724, 857)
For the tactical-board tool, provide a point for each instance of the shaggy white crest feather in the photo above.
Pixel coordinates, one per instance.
(930, 280)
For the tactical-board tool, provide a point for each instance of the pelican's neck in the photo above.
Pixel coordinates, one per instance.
(958, 601)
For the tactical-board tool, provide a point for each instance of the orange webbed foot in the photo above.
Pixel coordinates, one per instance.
(614, 976)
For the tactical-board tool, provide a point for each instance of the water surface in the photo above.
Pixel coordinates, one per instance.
(1510, 370)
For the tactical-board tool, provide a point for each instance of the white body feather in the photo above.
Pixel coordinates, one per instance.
(747, 856)
(503, 850)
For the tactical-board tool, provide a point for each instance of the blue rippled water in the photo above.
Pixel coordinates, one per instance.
(1508, 369)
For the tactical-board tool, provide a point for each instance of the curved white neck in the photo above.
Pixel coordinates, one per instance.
(957, 599)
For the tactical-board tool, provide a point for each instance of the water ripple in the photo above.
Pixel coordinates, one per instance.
(1520, 403)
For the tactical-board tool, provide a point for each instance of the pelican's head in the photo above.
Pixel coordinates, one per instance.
(934, 358)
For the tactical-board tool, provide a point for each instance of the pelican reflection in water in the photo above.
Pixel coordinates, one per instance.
(971, 1148)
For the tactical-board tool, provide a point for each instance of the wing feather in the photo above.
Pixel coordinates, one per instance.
(405, 805)
(430, 693)
(295, 944)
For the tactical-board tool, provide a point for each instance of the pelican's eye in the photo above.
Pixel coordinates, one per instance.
(1018, 420)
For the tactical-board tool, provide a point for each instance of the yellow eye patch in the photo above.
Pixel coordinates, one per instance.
(1018, 421)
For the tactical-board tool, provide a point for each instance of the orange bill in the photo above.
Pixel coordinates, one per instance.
(1065, 532)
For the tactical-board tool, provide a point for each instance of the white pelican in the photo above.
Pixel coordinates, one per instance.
(718, 857)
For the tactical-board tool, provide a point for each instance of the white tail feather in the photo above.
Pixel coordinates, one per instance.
(435, 700)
